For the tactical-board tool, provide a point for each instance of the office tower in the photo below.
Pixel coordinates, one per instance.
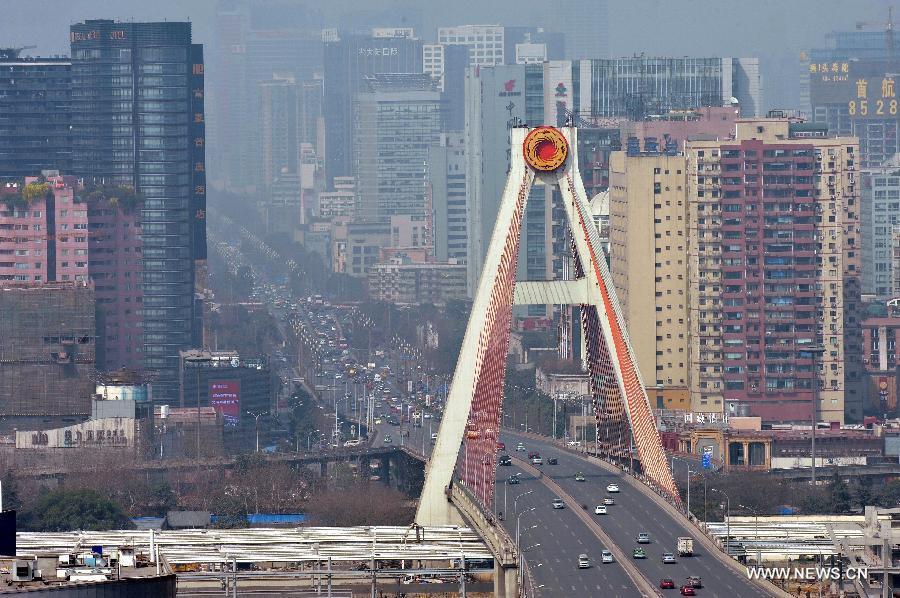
(447, 185)
(232, 128)
(396, 119)
(774, 250)
(638, 87)
(849, 86)
(279, 113)
(553, 42)
(486, 43)
(34, 114)
(880, 213)
(895, 259)
(138, 120)
(348, 59)
(496, 99)
(648, 235)
(585, 26)
(311, 124)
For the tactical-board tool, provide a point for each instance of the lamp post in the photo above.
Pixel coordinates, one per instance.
(755, 533)
(816, 351)
(256, 416)
(308, 438)
(519, 552)
(727, 520)
(516, 501)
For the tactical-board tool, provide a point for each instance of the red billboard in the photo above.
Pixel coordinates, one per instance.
(225, 398)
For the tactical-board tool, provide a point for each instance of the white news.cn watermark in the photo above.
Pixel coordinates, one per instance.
(807, 573)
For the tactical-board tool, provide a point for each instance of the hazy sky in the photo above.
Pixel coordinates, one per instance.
(775, 30)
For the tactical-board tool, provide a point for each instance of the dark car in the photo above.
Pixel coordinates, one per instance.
(505, 460)
(695, 581)
(552, 461)
(512, 479)
(667, 584)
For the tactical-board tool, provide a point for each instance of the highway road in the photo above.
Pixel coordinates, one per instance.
(633, 513)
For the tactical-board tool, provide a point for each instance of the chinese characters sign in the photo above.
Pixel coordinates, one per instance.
(225, 397)
(865, 89)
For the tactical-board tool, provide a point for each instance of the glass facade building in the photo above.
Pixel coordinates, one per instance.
(137, 120)
(34, 115)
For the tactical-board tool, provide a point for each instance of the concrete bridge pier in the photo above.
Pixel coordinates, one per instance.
(506, 581)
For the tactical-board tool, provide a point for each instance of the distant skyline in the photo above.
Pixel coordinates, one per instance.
(774, 30)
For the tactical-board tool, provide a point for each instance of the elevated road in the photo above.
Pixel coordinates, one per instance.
(636, 512)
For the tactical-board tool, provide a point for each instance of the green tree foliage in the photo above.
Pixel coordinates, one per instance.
(839, 495)
(66, 510)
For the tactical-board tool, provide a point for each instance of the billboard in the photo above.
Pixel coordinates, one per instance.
(225, 398)
(866, 88)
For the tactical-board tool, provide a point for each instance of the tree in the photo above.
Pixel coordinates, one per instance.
(863, 492)
(67, 510)
(360, 504)
(889, 496)
(839, 495)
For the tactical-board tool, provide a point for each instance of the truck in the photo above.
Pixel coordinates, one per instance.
(685, 546)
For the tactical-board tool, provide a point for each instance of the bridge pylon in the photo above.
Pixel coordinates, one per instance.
(472, 413)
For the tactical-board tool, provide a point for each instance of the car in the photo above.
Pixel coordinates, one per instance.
(583, 561)
(513, 479)
(668, 558)
(638, 553)
(520, 447)
(533, 454)
(505, 460)
(388, 440)
(606, 556)
(667, 584)
(558, 503)
(579, 477)
(643, 538)
(500, 445)
(599, 510)
(609, 501)
(695, 581)
(687, 590)
(353, 442)
(552, 461)
(612, 488)
(537, 461)
(433, 436)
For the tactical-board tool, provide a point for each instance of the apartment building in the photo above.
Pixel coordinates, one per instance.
(774, 258)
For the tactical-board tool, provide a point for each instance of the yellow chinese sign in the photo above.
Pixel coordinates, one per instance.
(830, 72)
(883, 102)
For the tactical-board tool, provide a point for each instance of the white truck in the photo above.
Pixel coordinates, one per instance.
(685, 546)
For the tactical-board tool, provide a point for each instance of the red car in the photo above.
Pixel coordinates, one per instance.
(501, 446)
(533, 455)
(688, 591)
(667, 584)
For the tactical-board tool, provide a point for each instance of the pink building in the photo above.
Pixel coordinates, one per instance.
(115, 269)
(43, 232)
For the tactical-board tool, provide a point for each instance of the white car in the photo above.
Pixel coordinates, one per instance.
(583, 561)
(606, 556)
(609, 501)
(537, 461)
(600, 510)
(520, 447)
(612, 488)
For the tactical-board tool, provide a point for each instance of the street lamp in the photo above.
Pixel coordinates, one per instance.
(727, 520)
(815, 351)
(308, 437)
(256, 416)
(755, 533)
(516, 501)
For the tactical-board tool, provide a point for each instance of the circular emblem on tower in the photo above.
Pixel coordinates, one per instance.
(545, 149)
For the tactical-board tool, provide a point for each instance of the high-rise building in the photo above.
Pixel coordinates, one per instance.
(648, 216)
(486, 43)
(638, 87)
(447, 185)
(396, 119)
(880, 213)
(497, 98)
(849, 86)
(895, 259)
(138, 120)
(585, 26)
(348, 59)
(34, 114)
(775, 256)
(279, 128)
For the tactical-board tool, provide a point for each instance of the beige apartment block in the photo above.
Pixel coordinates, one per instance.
(773, 256)
(648, 233)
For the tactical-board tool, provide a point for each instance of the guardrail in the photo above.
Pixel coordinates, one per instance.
(677, 511)
(498, 541)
